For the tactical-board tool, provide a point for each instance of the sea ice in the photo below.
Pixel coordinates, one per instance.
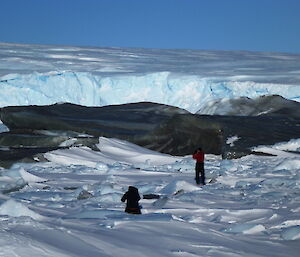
(246, 228)
(16, 209)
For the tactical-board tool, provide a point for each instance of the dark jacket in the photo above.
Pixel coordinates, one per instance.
(132, 196)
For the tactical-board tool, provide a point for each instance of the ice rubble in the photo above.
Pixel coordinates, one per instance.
(16, 178)
(254, 200)
(16, 209)
(191, 92)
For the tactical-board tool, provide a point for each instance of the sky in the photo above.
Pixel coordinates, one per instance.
(254, 25)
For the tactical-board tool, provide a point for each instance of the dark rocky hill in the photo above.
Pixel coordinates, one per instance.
(163, 128)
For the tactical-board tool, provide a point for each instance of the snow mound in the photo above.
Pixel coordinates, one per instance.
(289, 164)
(177, 185)
(26, 176)
(291, 233)
(112, 152)
(76, 156)
(283, 149)
(123, 151)
(15, 209)
(246, 229)
(292, 145)
(16, 178)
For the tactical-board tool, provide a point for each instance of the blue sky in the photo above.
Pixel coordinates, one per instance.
(255, 25)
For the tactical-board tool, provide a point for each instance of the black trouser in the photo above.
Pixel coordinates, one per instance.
(200, 176)
(133, 210)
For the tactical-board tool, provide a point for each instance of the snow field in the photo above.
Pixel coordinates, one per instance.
(251, 209)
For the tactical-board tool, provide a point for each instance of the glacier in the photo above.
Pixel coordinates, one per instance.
(189, 92)
(189, 79)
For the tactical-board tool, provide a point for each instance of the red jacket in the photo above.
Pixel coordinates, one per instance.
(199, 156)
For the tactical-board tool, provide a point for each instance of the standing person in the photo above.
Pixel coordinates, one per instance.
(132, 196)
(199, 168)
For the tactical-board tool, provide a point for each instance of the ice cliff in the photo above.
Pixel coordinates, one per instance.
(192, 80)
(192, 93)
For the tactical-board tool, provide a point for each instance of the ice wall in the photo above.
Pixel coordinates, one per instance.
(97, 76)
(190, 92)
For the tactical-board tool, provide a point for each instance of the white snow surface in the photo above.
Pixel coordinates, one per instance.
(112, 151)
(230, 141)
(189, 79)
(291, 146)
(251, 208)
(3, 128)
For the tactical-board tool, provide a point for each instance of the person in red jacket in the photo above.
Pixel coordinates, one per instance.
(199, 168)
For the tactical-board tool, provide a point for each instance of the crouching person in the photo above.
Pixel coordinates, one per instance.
(132, 196)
